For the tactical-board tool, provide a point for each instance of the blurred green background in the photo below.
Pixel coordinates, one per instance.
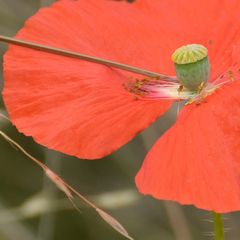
(31, 208)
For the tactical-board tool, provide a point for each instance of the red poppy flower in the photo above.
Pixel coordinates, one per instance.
(86, 110)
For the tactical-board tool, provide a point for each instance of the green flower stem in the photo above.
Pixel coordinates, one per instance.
(218, 226)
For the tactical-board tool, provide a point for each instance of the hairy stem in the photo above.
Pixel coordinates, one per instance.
(218, 226)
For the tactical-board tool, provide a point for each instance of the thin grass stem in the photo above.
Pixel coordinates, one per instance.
(85, 57)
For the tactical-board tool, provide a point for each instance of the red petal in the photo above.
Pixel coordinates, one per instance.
(69, 105)
(81, 108)
(214, 25)
(198, 160)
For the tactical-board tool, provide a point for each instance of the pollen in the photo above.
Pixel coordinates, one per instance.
(158, 89)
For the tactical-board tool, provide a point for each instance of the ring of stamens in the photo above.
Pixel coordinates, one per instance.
(192, 70)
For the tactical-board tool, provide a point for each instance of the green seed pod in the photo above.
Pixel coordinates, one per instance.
(192, 65)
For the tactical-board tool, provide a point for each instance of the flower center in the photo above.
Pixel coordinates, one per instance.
(192, 69)
(192, 66)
